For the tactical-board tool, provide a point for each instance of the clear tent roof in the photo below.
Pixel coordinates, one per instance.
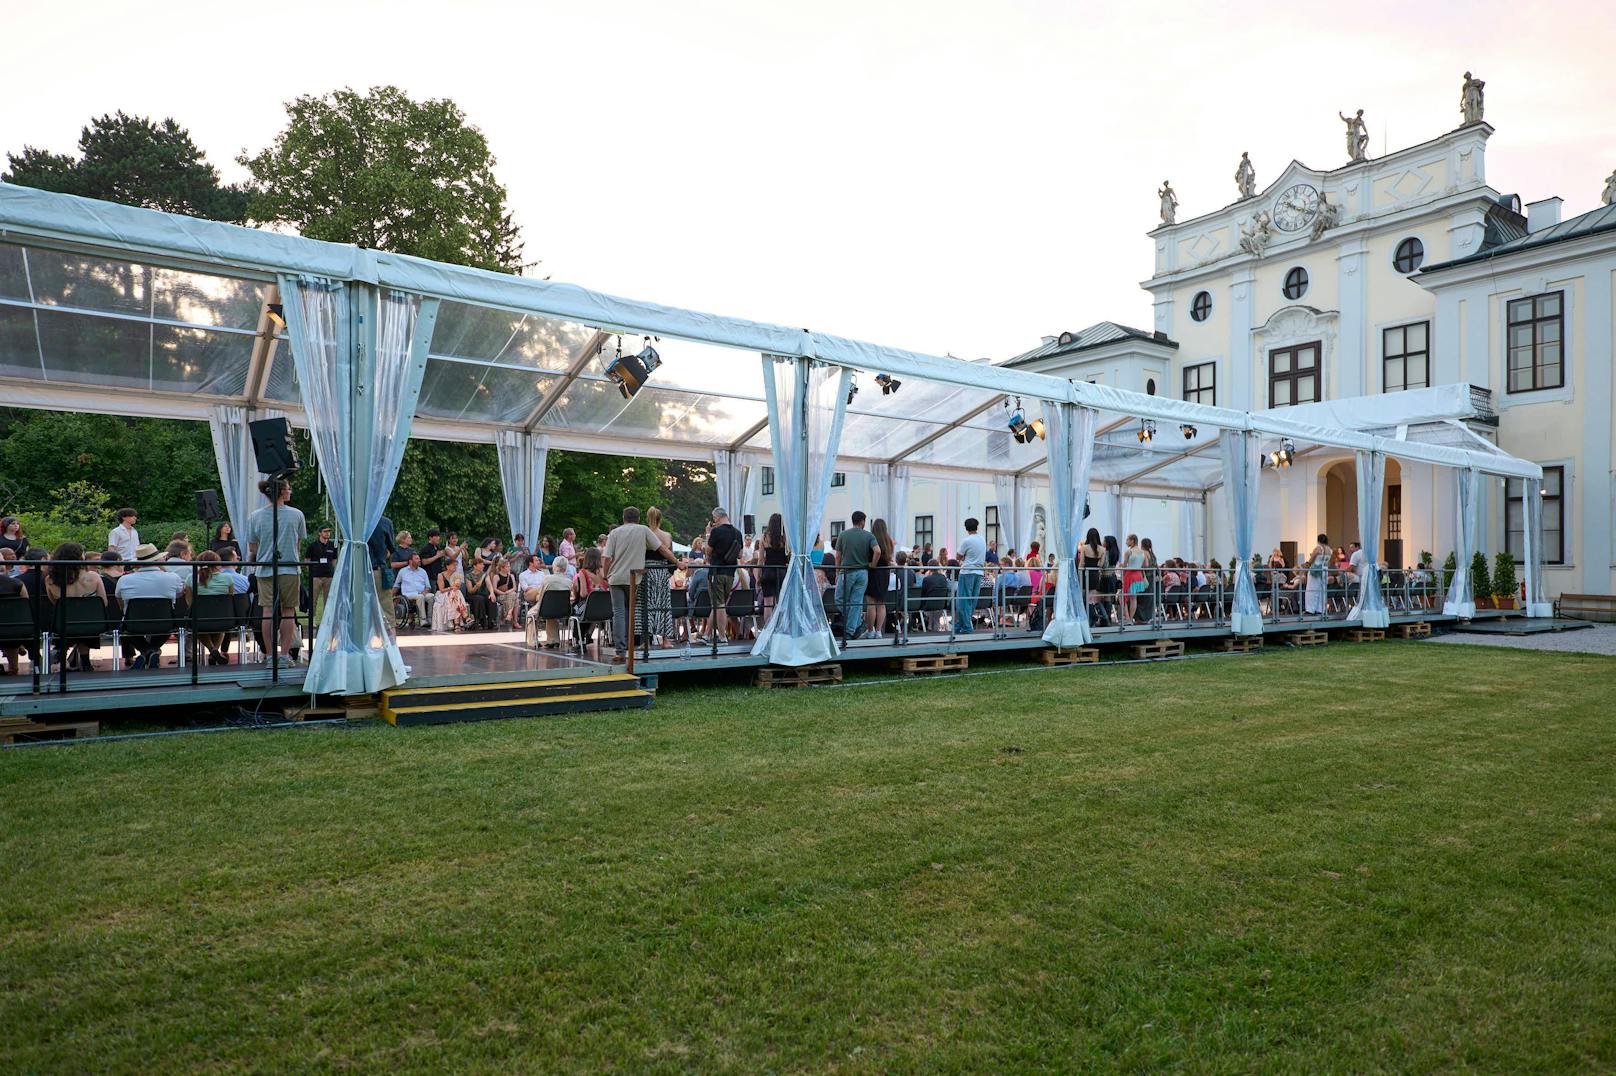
(122, 308)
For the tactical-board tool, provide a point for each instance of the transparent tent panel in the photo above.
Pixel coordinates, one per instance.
(595, 406)
(489, 335)
(473, 392)
(80, 282)
(83, 349)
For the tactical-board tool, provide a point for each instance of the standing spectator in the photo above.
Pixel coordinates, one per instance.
(724, 544)
(567, 549)
(10, 587)
(626, 547)
(776, 559)
(432, 556)
(282, 543)
(322, 557)
(382, 551)
(973, 557)
(224, 537)
(855, 549)
(124, 538)
(880, 581)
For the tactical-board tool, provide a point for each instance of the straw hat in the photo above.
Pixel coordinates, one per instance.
(146, 551)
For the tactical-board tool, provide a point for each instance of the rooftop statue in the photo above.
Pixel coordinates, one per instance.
(1609, 197)
(1357, 135)
(1169, 203)
(1245, 177)
(1471, 104)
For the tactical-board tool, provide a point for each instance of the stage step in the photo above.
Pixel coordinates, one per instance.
(525, 698)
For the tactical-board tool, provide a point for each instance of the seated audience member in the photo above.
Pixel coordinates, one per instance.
(531, 581)
(556, 579)
(449, 609)
(65, 580)
(111, 566)
(8, 561)
(587, 580)
(224, 537)
(935, 591)
(146, 580)
(502, 588)
(415, 587)
(212, 578)
(176, 559)
(231, 571)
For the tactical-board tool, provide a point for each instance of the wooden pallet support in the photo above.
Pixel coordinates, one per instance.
(1420, 630)
(1310, 637)
(10, 730)
(1159, 648)
(1076, 655)
(797, 675)
(929, 664)
(1366, 635)
(1240, 644)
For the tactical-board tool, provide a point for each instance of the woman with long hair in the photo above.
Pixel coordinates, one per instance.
(449, 609)
(62, 581)
(1133, 577)
(1318, 572)
(776, 557)
(880, 578)
(11, 536)
(1090, 560)
(655, 613)
(502, 589)
(210, 579)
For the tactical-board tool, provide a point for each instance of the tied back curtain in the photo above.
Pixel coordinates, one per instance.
(523, 458)
(238, 467)
(360, 354)
(1536, 602)
(1371, 605)
(1026, 512)
(1460, 601)
(807, 403)
(1004, 499)
(1242, 471)
(1071, 452)
(899, 522)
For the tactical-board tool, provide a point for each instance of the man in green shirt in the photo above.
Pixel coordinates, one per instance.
(853, 549)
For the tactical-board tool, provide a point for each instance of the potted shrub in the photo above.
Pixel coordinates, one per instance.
(1504, 581)
(1449, 566)
(1480, 586)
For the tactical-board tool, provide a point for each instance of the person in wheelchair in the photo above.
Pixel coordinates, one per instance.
(413, 588)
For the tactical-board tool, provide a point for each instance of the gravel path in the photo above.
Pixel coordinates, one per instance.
(1599, 639)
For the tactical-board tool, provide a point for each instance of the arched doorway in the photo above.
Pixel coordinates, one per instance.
(1340, 500)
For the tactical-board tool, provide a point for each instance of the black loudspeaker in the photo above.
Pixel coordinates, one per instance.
(207, 505)
(272, 446)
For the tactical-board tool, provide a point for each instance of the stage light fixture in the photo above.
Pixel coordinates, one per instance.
(1287, 452)
(1147, 431)
(852, 390)
(630, 372)
(277, 316)
(888, 383)
(1023, 431)
(1188, 431)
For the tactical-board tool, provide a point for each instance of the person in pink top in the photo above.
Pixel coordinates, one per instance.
(566, 549)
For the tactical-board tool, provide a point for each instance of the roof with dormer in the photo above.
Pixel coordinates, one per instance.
(1097, 335)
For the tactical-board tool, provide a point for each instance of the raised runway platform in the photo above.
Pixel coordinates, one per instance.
(1519, 625)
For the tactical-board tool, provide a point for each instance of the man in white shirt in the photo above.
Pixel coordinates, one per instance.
(124, 538)
(416, 588)
(531, 581)
(147, 581)
(973, 557)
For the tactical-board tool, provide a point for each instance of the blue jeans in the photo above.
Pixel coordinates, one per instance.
(965, 602)
(850, 586)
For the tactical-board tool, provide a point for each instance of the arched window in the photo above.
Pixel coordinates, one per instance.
(1201, 306)
(1410, 256)
(1296, 283)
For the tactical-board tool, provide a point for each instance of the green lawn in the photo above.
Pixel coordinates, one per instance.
(1392, 856)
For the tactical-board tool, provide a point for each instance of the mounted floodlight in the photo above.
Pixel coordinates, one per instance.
(888, 383)
(1147, 431)
(1188, 431)
(630, 372)
(1287, 452)
(852, 390)
(1023, 431)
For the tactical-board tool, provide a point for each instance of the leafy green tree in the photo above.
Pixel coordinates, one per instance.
(391, 173)
(136, 161)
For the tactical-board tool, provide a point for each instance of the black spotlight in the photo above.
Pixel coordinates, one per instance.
(852, 390)
(1188, 431)
(888, 383)
(630, 372)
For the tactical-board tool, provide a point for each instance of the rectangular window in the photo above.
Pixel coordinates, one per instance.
(992, 537)
(838, 478)
(766, 481)
(1394, 512)
(1294, 376)
(1553, 517)
(1201, 383)
(1536, 342)
(923, 531)
(837, 526)
(749, 524)
(1406, 356)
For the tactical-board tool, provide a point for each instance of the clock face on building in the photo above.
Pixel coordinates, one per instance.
(1297, 206)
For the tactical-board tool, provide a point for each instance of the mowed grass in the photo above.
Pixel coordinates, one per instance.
(1392, 856)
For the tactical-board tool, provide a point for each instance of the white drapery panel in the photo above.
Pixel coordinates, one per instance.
(1004, 499)
(807, 402)
(880, 475)
(1242, 472)
(899, 522)
(1461, 602)
(733, 479)
(360, 354)
(1537, 604)
(1187, 525)
(1071, 451)
(238, 467)
(1026, 505)
(1371, 605)
(523, 460)
(1121, 511)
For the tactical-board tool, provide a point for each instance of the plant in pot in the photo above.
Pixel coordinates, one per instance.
(1449, 566)
(1480, 586)
(1504, 581)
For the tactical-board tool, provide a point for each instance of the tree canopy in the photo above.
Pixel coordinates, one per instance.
(378, 168)
(136, 161)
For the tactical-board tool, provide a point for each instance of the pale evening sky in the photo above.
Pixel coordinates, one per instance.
(950, 177)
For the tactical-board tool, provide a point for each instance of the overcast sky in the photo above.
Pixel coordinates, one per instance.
(950, 177)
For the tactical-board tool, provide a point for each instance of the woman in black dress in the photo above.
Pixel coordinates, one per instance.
(224, 537)
(776, 556)
(879, 577)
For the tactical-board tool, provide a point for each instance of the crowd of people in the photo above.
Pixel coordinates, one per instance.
(636, 582)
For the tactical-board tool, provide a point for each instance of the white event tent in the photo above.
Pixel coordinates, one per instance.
(115, 309)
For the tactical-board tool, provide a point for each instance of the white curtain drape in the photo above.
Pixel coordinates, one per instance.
(1460, 601)
(1188, 524)
(880, 497)
(523, 460)
(1121, 509)
(1242, 472)
(1004, 499)
(1371, 605)
(238, 467)
(1070, 432)
(1537, 604)
(807, 403)
(1026, 505)
(733, 479)
(898, 490)
(360, 354)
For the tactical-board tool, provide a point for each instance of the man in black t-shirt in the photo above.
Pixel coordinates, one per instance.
(322, 557)
(432, 556)
(724, 543)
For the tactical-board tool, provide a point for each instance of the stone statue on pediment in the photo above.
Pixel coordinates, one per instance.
(1357, 136)
(1254, 240)
(1609, 197)
(1328, 217)
(1245, 177)
(1471, 104)
(1169, 203)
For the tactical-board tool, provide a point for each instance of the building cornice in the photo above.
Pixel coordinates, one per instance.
(1569, 250)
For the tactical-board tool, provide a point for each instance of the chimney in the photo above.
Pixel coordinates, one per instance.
(1543, 213)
